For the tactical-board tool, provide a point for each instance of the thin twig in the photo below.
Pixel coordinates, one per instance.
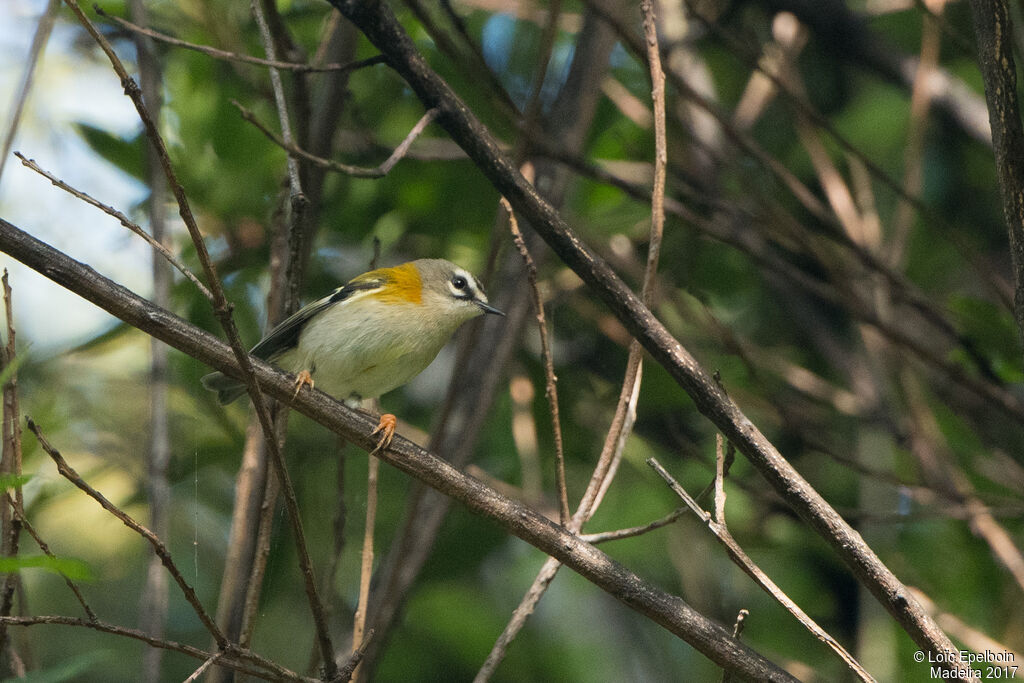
(222, 310)
(250, 484)
(202, 669)
(719, 482)
(550, 380)
(356, 171)
(238, 659)
(366, 562)
(737, 630)
(298, 199)
(235, 57)
(10, 462)
(618, 534)
(920, 102)
(254, 507)
(71, 475)
(743, 561)
(122, 219)
(261, 552)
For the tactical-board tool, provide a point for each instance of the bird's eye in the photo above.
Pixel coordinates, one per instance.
(459, 282)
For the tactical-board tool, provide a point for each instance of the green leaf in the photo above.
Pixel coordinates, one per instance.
(71, 568)
(126, 154)
(13, 481)
(8, 372)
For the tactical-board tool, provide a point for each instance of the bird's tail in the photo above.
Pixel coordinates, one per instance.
(227, 389)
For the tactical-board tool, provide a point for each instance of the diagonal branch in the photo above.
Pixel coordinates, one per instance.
(669, 611)
(159, 548)
(993, 29)
(329, 164)
(551, 382)
(716, 523)
(237, 659)
(123, 219)
(379, 24)
(217, 53)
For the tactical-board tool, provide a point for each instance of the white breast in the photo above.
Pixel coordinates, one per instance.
(368, 349)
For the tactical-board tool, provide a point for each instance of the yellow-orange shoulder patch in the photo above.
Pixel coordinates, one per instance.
(401, 284)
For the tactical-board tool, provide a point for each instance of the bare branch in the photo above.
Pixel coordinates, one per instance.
(348, 670)
(993, 28)
(202, 669)
(604, 536)
(10, 463)
(366, 563)
(356, 171)
(236, 658)
(235, 57)
(968, 635)
(743, 561)
(298, 199)
(625, 412)
(550, 381)
(122, 219)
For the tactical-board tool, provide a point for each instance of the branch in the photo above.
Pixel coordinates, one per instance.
(668, 611)
(10, 462)
(355, 171)
(235, 57)
(383, 30)
(994, 29)
(604, 536)
(550, 381)
(235, 658)
(721, 532)
(122, 219)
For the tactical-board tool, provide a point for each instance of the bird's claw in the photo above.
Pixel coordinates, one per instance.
(386, 429)
(301, 380)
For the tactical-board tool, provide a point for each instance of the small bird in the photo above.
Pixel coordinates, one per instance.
(371, 335)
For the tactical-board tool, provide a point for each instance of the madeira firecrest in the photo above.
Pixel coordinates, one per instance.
(372, 335)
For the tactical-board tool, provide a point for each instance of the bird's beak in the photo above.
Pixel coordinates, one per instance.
(488, 308)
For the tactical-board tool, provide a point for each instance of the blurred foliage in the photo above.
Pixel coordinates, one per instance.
(822, 383)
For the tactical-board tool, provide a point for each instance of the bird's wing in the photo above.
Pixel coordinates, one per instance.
(286, 335)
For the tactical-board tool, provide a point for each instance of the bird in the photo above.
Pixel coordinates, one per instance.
(371, 335)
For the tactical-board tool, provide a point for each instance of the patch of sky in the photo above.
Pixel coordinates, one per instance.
(499, 34)
(70, 86)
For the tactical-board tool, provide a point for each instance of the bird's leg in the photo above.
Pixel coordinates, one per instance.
(386, 429)
(302, 379)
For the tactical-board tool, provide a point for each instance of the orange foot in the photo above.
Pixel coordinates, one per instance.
(386, 429)
(301, 380)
